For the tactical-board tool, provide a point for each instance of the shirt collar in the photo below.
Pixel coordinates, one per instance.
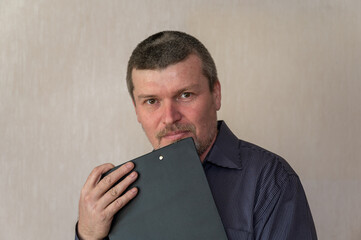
(225, 150)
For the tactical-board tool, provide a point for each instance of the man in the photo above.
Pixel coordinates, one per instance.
(172, 80)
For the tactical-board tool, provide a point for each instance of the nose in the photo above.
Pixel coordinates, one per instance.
(171, 113)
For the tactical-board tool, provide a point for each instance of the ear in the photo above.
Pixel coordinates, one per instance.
(133, 102)
(217, 96)
(135, 108)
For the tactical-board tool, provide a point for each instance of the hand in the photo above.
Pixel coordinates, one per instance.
(99, 201)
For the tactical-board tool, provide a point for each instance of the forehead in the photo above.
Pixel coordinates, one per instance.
(179, 75)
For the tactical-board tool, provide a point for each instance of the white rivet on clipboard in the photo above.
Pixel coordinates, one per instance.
(160, 157)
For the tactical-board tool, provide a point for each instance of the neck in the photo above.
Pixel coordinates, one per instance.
(204, 155)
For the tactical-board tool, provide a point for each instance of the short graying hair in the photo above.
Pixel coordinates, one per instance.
(166, 48)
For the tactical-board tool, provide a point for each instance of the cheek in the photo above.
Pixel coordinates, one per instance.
(201, 116)
(149, 123)
(207, 111)
(144, 117)
(207, 117)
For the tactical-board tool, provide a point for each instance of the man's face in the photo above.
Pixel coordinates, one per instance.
(175, 103)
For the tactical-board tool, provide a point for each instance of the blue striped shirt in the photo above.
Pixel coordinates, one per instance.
(258, 195)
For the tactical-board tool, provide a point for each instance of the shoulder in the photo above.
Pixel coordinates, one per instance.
(270, 175)
(252, 161)
(262, 160)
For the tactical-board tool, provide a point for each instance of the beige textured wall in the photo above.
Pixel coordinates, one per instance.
(291, 82)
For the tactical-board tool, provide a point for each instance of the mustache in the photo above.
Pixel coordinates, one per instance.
(176, 127)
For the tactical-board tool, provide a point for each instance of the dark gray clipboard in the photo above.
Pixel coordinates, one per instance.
(174, 200)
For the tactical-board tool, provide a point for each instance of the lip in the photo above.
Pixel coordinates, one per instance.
(177, 135)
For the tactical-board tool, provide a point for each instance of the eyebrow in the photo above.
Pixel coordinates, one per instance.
(142, 96)
(194, 86)
(188, 88)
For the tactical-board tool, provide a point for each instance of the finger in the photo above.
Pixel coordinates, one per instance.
(96, 174)
(109, 180)
(120, 202)
(117, 190)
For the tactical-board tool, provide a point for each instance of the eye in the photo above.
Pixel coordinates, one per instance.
(186, 95)
(150, 101)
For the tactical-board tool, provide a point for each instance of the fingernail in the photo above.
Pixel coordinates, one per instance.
(133, 174)
(129, 165)
(134, 190)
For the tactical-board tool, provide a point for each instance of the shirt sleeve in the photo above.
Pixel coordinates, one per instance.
(76, 233)
(281, 210)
